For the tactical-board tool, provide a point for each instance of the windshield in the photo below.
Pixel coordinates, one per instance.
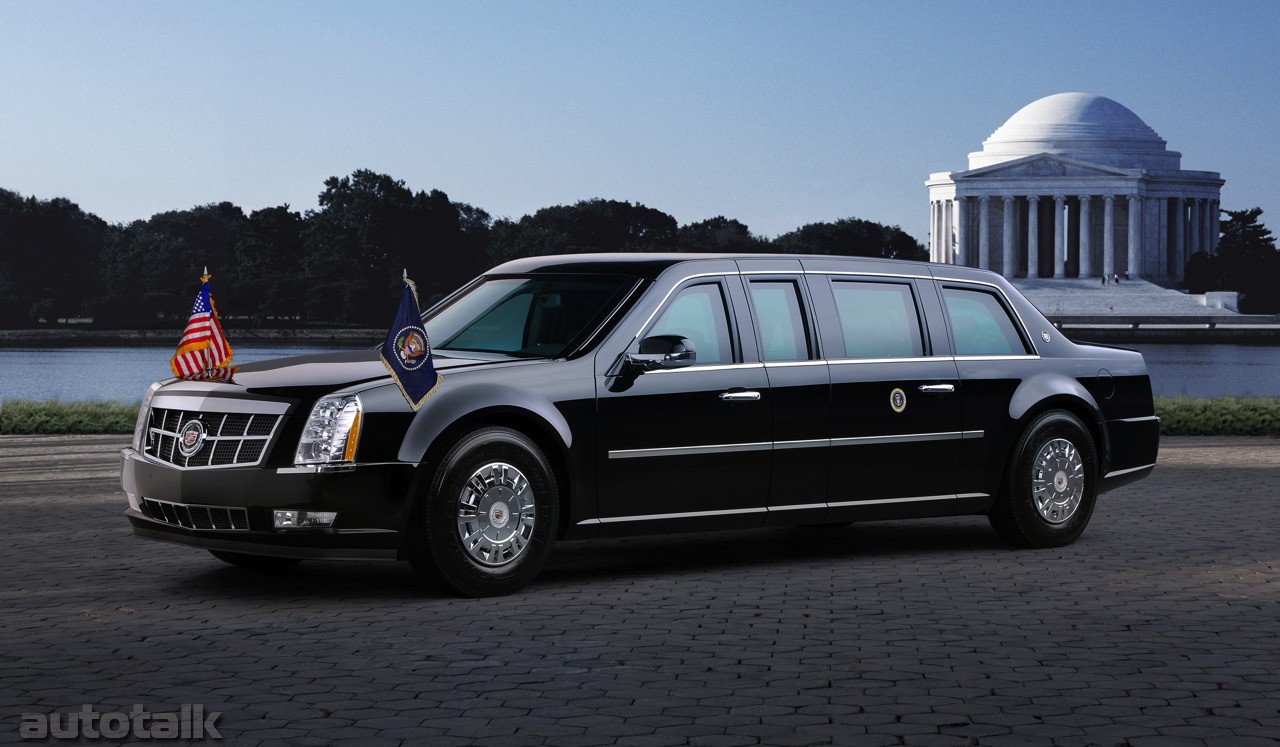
(544, 316)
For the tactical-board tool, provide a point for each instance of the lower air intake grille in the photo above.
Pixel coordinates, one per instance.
(196, 517)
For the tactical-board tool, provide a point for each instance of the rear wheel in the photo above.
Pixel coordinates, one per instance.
(256, 562)
(1050, 488)
(486, 524)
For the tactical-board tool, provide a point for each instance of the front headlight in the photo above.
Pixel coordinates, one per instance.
(140, 426)
(331, 432)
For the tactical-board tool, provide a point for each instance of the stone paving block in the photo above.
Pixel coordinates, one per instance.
(1158, 624)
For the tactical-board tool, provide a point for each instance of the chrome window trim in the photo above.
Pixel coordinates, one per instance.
(855, 273)
(1016, 314)
(961, 358)
(813, 443)
(662, 304)
(795, 364)
(1119, 472)
(716, 367)
(917, 359)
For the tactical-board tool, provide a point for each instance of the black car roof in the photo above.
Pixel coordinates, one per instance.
(648, 265)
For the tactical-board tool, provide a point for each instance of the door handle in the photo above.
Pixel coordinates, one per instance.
(739, 396)
(938, 388)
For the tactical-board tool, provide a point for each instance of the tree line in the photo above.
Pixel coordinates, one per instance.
(340, 263)
(1246, 261)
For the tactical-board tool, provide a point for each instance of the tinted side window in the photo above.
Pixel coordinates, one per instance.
(980, 324)
(878, 320)
(780, 319)
(698, 313)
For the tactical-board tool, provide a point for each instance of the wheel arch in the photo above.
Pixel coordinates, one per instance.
(1051, 392)
(551, 438)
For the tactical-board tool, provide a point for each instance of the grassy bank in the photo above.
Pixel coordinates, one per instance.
(24, 416)
(1179, 416)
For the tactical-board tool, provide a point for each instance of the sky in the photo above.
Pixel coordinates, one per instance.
(778, 114)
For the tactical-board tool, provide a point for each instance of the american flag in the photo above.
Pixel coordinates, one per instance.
(203, 352)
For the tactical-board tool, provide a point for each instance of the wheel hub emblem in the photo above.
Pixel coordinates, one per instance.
(499, 515)
(1060, 482)
(191, 438)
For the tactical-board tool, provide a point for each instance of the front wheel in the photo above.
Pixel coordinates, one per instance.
(487, 521)
(1050, 488)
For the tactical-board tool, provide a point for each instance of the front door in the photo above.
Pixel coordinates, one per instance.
(689, 445)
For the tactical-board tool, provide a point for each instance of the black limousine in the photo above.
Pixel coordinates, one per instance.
(603, 395)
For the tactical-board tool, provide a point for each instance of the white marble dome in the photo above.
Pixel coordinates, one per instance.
(1082, 126)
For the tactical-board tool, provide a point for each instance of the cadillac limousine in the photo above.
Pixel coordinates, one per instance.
(603, 395)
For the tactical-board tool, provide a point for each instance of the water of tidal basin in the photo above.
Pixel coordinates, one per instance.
(122, 374)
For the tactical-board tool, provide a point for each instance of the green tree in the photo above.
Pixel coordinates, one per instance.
(595, 225)
(720, 234)
(852, 237)
(1247, 261)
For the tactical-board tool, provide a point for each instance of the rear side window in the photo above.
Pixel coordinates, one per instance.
(698, 314)
(878, 320)
(980, 324)
(780, 318)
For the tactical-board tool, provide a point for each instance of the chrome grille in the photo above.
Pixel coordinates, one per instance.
(196, 517)
(232, 438)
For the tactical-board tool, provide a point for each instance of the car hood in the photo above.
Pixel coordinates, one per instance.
(308, 376)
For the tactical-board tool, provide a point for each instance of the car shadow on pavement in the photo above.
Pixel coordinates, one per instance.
(582, 564)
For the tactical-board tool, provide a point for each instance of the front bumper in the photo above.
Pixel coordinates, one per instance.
(371, 501)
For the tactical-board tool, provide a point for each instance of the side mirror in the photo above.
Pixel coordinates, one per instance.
(662, 352)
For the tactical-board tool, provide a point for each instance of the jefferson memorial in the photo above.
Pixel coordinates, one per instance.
(1074, 185)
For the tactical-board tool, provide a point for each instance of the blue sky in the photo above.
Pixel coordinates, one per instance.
(774, 113)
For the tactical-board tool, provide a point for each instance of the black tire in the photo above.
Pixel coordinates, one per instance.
(256, 562)
(509, 529)
(1042, 463)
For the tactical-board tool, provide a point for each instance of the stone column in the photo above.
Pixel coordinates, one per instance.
(1033, 236)
(1195, 235)
(1109, 235)
(1216, 234)
(948, 228)
(1086, 246)
(1162, 235)
(933, 230)
(1059, 236)
(1135, 236)
(1007, 266)
(1180, 238)
(962, 231)
(984, 232)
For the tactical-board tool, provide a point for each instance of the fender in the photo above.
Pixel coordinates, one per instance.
(450, 404)
(1040, 387)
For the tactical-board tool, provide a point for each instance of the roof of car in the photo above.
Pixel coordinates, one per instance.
(648, 265)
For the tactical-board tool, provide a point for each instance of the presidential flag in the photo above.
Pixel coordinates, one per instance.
(407, 352)
(203, 353)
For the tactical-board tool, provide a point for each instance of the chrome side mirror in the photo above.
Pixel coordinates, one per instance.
(662, 352)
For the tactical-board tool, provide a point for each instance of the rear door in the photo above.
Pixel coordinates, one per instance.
(895, 405)
(799, 385)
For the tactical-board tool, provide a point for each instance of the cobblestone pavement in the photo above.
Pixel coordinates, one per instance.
(1158, 627)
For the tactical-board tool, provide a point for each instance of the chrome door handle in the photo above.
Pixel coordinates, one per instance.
(938, 388)
(739, 396)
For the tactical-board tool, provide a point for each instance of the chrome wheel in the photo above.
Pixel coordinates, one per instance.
(497, 511)
(1057, 480)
